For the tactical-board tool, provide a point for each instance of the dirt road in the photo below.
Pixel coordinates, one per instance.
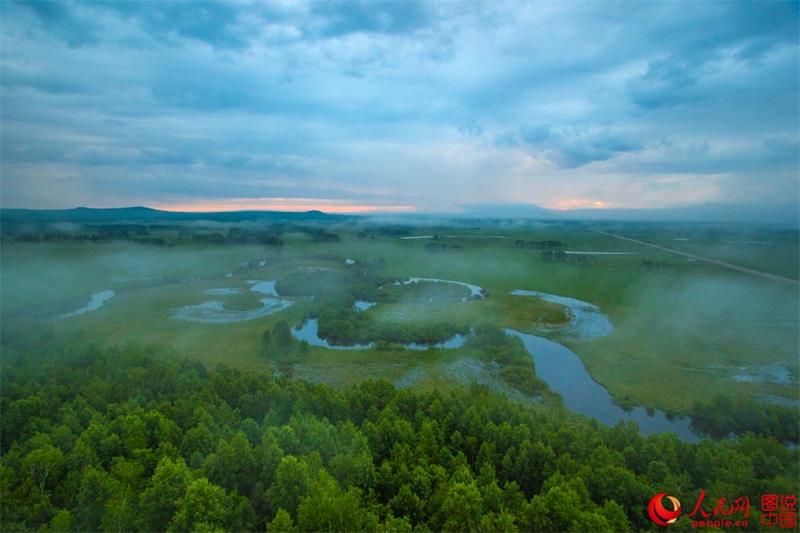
(717, 262)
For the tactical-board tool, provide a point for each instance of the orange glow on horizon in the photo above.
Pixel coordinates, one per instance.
(580, 203)
(282, 204)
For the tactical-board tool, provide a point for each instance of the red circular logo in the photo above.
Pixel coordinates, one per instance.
(660, 514)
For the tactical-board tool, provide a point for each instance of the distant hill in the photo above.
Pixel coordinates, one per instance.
(784, 215)
(147, 214)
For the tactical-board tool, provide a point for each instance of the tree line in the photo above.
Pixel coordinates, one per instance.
(134, 439)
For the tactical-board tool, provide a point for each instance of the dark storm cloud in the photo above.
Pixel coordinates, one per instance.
(573, 147)
(745, 32)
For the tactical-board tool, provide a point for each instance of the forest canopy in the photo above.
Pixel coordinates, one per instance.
(130, 439)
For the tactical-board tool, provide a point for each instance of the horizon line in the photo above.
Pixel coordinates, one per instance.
(544, 213)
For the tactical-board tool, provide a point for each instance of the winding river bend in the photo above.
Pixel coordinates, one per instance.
(563, 371)
(586, 321)
(215, 312)
(561, 368)
(308, 331)
(474, 290)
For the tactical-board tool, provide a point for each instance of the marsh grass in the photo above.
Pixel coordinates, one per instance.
(680, 333)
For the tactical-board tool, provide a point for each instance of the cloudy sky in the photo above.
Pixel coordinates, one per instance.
(399, 106)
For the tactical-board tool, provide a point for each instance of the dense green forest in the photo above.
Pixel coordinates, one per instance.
(133, 439)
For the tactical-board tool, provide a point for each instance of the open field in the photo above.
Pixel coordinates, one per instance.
(774, 251)
(683, 331)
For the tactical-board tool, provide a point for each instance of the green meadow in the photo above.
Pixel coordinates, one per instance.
(683, 331)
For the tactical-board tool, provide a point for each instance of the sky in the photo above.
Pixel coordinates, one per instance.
(398, 107)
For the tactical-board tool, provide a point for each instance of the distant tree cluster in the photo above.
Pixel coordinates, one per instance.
(516, 367)
(238, 236)
(242, 236)
(209, 238)
(84, 233)
(505, 354)
(324, 236)
(120, 230)
(279, 340)
(539, 245)
(62, 237)
(653, 266)
(558, 256)
(88, 237)
(122, 439)
(441, 247)
(342, 325)
(724, 416)
(141, 233)
(388, 231)
(156, 241)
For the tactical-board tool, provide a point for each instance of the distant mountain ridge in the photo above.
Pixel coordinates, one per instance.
(783, 214)
(148, 214)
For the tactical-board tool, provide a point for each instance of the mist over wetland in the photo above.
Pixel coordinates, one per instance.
(634, 340)
(610, 334)
(399, 266)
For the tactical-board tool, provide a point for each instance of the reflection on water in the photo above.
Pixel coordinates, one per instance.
(214, 312)
(95, 302)
(773, 373)
(264, 287)
(563, 371)
(456, 341)
(474, 290)
(781, 400)
(309, 332)
(362, 305)
(586, 321)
